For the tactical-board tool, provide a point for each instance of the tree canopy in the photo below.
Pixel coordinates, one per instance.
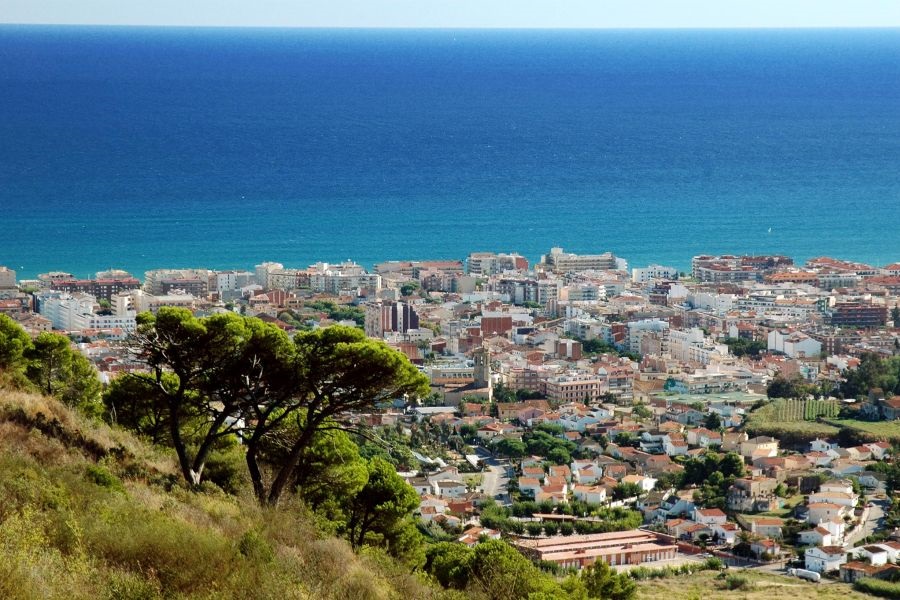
(228, 375)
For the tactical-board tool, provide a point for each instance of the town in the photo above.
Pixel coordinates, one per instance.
(744, 411)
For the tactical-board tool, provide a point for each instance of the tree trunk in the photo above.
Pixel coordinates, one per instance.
(287, 468)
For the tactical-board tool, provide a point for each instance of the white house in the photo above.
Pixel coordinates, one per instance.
(818, 445)
(841, 498)
(794, 344)
(586, 473)
(824, 511)
(874, 553)
(818, 536)
(449, 489)
(824, 559)
(709, 516)
(592, 494)
(645, 483)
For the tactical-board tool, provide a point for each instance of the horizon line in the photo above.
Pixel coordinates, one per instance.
(457, 28)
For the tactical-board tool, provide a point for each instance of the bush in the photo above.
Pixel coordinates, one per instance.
(737, 582)
(102, 477)
(877, 587)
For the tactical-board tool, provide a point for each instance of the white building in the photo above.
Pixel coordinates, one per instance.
(652, 272)
(794, 344)
(824, 559)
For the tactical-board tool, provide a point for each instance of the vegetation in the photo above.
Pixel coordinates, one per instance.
(762, 586)
(89, 511)
(493, 569)
(878, 587)
(798, 421)
(713, 473)
(745, 347)
(47, 364)
(226, 375)
(873, 372)
(338, 313)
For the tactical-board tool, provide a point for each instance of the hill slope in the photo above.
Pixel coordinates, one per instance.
(89, 511)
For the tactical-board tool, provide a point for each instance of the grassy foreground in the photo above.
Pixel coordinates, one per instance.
(705, 586)
(89, 511)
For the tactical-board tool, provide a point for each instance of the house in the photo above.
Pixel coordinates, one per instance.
(561, 471)
(474, 535)
(696, 532)
(751, 493)
(586, 472)
(759, 446)
(844, 486)
(614, 548)
(725, 533)
(678, 503)
(709, 516)
(820, 459)
(644, 483)
(445, 474)
(841, 498)
(819, 445)
(674, 444)
(765, 548)
(769, 527)
(836, 527)
(873, 553)
(592, 494)
(824, 559)
(872, 480)
(824, 511)
(555, 493)
(853, 571)
(449, 489)
(818, 536)
(704, 438)
(420, 484)
(529, 485)
(536, 472)
(879, 450)
(732, 440)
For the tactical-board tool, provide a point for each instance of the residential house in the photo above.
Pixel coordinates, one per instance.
(759, 446)
(824, 511)
(449, 489)
(474, 535)
(875, 554)
(824, 559)
(769, 527)
(749, 494)
(817, 536)
(644, 483)
(765, 547)
(529, 485)
(592, 494)
(709, 516)
(725, 533)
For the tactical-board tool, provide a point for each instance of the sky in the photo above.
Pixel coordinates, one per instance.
(459, 13)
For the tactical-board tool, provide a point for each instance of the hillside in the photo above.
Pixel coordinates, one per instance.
(89, 511)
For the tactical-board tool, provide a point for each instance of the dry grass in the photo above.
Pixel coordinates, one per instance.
(705, 586)
(89, 511)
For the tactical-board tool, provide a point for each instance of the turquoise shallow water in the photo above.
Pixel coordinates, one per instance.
(141, 148)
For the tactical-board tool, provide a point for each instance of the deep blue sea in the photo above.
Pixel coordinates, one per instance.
(142, 148)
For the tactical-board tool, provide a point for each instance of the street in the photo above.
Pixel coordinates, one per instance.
(495, 476)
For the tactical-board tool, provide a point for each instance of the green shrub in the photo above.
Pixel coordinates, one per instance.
(877, 587)
(254, 547)
(737, 582)
(102, 477)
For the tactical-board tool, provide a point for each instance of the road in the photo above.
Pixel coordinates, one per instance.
(494, 477)
(874, 521)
